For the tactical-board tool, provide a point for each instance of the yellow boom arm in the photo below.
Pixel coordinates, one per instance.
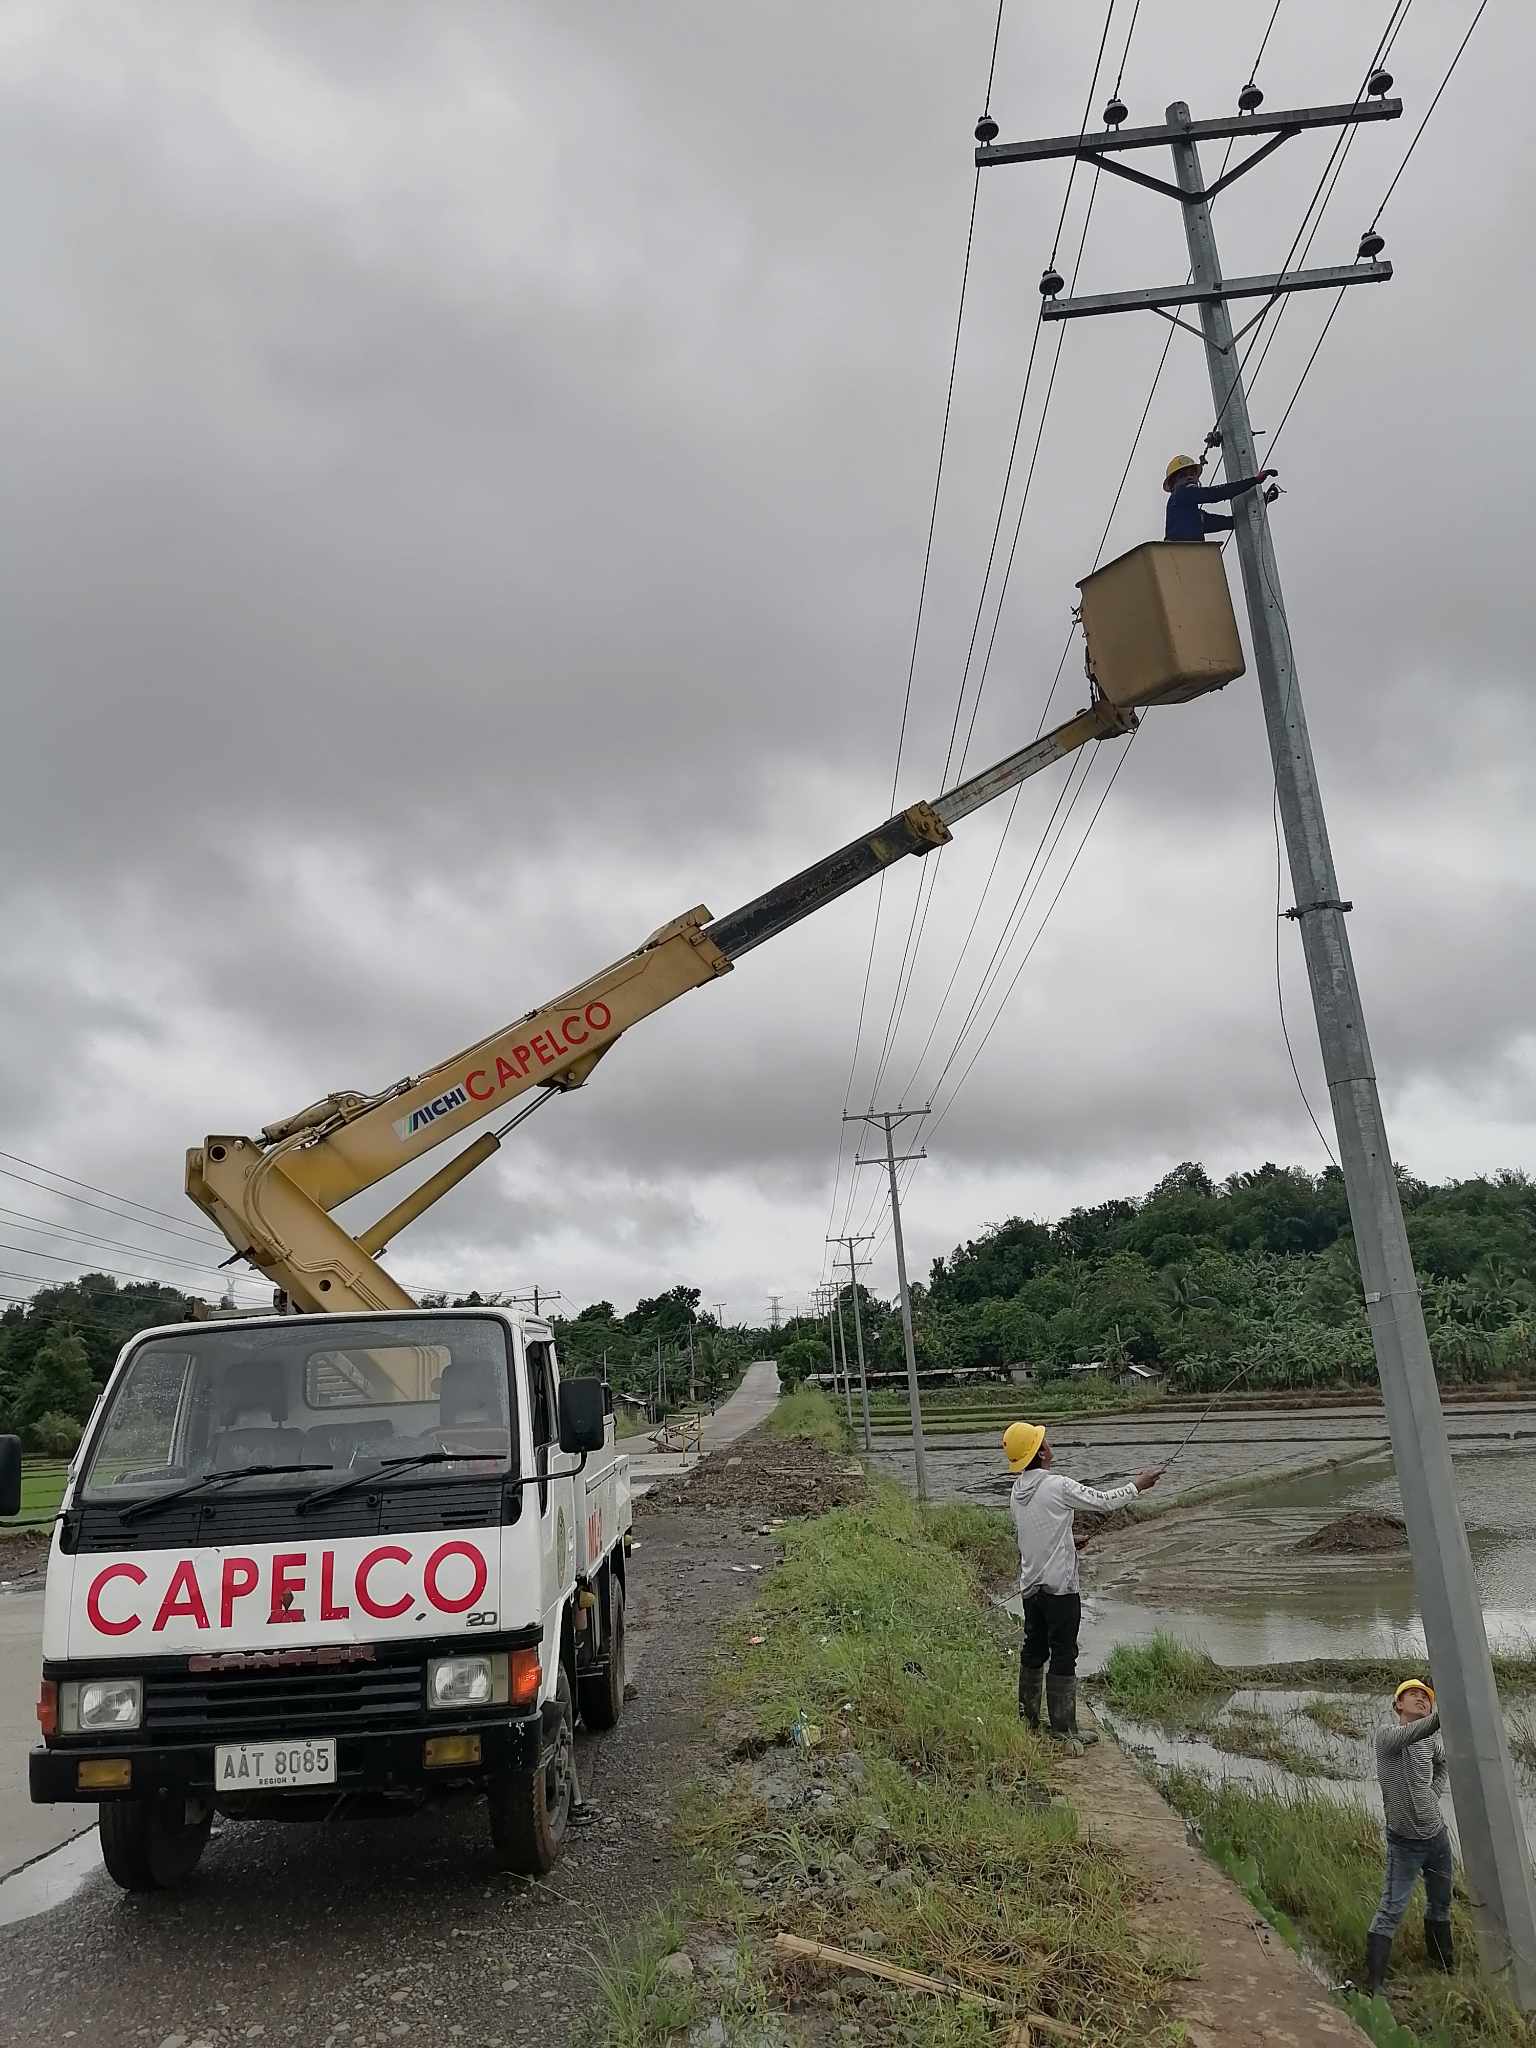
(272, 1196)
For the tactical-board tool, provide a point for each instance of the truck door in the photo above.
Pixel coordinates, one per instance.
(553, 1494)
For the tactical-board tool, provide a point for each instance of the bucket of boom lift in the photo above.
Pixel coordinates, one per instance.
(1159, 624)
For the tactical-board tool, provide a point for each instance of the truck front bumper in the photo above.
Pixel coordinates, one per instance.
(387, 1763)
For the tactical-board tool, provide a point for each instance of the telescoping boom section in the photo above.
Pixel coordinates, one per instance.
(272, 1196)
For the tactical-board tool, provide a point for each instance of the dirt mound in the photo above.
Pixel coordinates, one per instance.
(1357, 1534)
(761, 1476)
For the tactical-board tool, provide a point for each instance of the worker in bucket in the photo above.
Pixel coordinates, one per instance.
(1186, 496)
(1043, 1503)
(1410, 1767)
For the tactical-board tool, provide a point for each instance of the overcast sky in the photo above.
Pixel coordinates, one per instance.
(468, 472)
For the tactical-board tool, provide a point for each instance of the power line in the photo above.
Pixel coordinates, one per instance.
(113, 1244)
(115, 1272)
(165, 1229)
(929, 876)
(1408, 154)
(126, 1200)
(906, 703)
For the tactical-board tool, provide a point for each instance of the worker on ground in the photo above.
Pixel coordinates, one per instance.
(1186, 496)
(1410, 1766)
(1043, 1504)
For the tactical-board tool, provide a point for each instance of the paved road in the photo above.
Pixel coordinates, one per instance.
(25, 1830)
(745, 1409)
(385, 1934)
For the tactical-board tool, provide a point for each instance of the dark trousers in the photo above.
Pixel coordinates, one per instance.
(1051, 1622)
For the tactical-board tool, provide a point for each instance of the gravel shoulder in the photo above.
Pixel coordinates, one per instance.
(383, 1932)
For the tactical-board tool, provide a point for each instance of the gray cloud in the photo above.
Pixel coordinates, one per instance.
(468, 477)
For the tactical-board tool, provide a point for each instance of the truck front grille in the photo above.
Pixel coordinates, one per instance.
(329, 1701)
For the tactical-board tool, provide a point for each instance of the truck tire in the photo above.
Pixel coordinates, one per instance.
(602, 1695)
(531, 1810)
(148, 1845)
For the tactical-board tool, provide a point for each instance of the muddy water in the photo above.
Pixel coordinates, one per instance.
(1345, 1764)
(1227, 1574)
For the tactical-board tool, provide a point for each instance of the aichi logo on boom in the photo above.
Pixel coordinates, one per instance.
(440, 1105)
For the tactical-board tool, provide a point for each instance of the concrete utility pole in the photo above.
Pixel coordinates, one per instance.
(888, 1119)
(854, 1267)
(1493, 1842)
(842, 1338)
(536, 1296)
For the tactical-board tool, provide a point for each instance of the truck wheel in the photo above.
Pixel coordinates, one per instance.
(149, 1845)
(602, 1695)
(531, 1810)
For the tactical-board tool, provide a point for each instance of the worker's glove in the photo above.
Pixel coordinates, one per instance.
(1266, 474)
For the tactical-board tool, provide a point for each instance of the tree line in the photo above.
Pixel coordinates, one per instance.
(1254, 1274)
(1202, 1279)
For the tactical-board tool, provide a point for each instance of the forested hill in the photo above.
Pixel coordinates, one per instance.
(1201, 1277)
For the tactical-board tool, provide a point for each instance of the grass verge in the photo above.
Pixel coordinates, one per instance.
(1162, 1679)
(1256, 1735)
(1313, 1866)
(1514, 1669)
(808, 1414)
(886, 1798)
(42, 1488)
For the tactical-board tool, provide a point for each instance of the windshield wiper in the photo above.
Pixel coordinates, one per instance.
(156, 1502)
(386, 1465)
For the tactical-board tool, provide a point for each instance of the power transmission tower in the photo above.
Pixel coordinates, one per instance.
(536, 1295)
(854, 1269)
(888, 1119)
(719, 1309)
(775, 1310)
(1493, 1840)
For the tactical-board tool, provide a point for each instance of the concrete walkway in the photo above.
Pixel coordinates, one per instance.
(745, 1409)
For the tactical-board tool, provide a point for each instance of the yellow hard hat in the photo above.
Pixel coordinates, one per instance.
(1176, 467)
(1021, 1441)
(1414, 1685)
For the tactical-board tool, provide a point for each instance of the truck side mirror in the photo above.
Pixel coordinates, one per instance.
(10, 1475)
(581, 1416)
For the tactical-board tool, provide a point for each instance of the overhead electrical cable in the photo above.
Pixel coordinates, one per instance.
(929, 874)
(906, 703)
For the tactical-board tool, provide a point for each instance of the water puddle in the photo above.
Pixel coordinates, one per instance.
(50, 1880)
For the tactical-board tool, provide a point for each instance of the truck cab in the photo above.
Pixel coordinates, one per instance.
(310, 1561)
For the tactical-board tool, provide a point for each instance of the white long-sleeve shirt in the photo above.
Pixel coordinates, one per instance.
(1043, 1504)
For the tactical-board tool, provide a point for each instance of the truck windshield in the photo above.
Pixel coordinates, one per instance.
(322, 1398)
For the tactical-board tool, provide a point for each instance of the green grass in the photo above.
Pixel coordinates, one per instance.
(1257, 1735)
(1162, 1679)
(888, 1795)
(983, 1536)
(1337, 1717)
(1317, 1863)
(1515, 1670)
(42, 1488)
(809, 1415)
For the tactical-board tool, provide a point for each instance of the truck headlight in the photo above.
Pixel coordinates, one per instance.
(467, 1681)
(100, 1706)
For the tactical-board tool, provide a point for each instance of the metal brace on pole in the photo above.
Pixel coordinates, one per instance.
(1491, 1826)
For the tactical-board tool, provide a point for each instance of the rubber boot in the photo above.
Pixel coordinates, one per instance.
(1031, 1686)
(1439, 1948)
(1378, 1953)
(1061, 1702)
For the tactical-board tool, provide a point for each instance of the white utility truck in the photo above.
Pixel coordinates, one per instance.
(305, 1562)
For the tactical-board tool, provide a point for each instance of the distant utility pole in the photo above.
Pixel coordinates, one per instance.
(828, 1295)
(1487, 1807)
(536, 1295)
(888, 1119)
(854, 1267)
(842, 1339)
(719, 1308)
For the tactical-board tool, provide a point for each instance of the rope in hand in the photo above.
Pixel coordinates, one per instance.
(1201, 1420)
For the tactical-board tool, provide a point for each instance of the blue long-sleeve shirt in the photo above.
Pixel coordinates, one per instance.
(1186, 521)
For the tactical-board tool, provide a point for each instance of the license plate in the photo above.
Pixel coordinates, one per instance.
(275, 1766)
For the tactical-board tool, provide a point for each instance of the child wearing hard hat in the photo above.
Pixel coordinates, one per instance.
(1410, 1766)
(1186, 495)
(1043, 1503)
